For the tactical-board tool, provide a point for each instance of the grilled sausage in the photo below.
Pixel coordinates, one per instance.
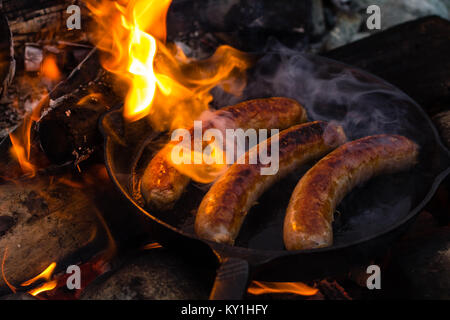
(162, 185)
(309, 216)
(223, 209)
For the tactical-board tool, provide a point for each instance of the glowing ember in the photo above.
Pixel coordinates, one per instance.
(299, 288)
(50, 69)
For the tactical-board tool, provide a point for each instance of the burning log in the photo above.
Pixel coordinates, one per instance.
(37, 20)
(69, 130)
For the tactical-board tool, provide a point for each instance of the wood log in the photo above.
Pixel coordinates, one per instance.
(54, 220)
(414, 56)
(7, 62)
(15, 9)
(69, 131)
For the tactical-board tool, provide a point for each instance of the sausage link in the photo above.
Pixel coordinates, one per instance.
(309, 216)
(224, 207)
(162, 185)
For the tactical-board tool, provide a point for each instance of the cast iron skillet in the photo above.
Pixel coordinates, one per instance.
(368, 219)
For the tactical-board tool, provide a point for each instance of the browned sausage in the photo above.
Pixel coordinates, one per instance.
(309, 216)
(162, 185)
(223, 209)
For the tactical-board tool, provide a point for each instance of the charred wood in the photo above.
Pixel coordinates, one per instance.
(69, 131)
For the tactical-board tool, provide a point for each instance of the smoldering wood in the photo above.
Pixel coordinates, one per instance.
(69, 131)
(23, 93)
(414, 56)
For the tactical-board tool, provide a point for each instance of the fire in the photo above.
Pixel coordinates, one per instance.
(45, 287)
(299, 288)
(164, 84)
(46, 275)
(21, 137)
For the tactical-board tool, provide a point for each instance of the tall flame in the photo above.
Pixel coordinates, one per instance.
(164, 84)
(21, 138)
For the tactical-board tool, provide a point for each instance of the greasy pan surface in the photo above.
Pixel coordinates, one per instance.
(363, 104)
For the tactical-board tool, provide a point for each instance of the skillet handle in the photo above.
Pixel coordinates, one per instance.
(231, 280)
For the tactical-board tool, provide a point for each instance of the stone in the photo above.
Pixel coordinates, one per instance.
(397, 12)
(157, 274)
(318, 18)
(347, 26)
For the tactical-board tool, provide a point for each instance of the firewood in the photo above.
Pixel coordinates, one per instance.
(53, 218)
(7, 62)
(69, 130)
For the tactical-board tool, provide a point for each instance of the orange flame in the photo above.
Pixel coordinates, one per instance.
(10, 286)
(21, 138)
(47, 286)
(299, 288)
(46, 274)
(164, 84)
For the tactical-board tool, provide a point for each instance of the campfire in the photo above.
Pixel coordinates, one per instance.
(188, 150)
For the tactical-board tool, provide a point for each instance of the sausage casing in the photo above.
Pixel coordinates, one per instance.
(162, 184)
(309, 216)
(224, 207)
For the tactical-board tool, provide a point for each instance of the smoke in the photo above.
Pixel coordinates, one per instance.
(329, 91)
(363, 105)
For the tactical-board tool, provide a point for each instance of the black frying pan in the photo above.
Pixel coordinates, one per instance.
(368, 219)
